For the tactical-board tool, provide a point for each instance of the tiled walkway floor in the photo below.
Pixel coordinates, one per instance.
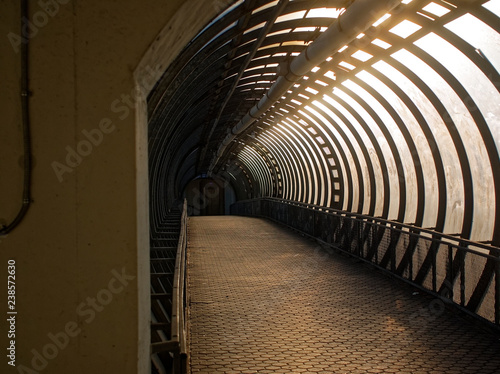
(266, 300)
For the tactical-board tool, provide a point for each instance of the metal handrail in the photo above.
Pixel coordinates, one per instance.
(444, 260)
(177, 345)
(407, 228)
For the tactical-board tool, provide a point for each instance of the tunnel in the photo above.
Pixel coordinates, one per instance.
(371, 126)
(177, 176)
(399, 120)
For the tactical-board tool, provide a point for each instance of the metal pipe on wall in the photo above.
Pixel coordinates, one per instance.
(25, 109)
(357, 18)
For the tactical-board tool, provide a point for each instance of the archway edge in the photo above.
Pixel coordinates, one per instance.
(189, 20)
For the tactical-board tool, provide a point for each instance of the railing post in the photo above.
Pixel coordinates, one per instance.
(314, 222)
(434, 247)
(393, 244)
(410, 259)
(420, 256)
(497, 291)
(361, 238)
(462, 275)
(451, 276)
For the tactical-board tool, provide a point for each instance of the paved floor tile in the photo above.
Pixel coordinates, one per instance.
(263, 299)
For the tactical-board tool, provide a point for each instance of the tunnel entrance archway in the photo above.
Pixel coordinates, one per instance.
(209, 197)
(389, 125)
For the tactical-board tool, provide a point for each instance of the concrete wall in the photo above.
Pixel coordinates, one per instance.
(81, 253)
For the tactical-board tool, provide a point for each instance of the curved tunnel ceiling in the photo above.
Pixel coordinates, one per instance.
(401, 123)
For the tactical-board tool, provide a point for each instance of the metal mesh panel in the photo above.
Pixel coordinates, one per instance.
(439, 263)
(487, 307)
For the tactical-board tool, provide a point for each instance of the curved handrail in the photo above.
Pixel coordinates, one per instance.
(179, 287)
(411, 229)
(453, 269)
(177, 344)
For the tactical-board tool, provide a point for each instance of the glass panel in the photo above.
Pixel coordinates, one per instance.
(312, 90)
(493, 6)
(324, 12)
(479, 35)
(324, 175)
(220, 34)
(220, 16)
(264, 167)
(330, 74)
(347, 65)
(486, 97)
(343, 145)
(436, 9)
(357, 108)
(292, 43)
(391, 164)
(397, 135)
(367, 143)
(275, 45)
(293, 172)
(255, 68)
(405, 29)
(293, 147)
(256, 27)
(454, 180)
(304, 29)
(299, 136)
(346, 181)
(279, 32)
(424, 151)
(261, 168)
(282, 170)
(247, 160)
(267, 6)
(325, 166)
(382, 20)
(381, 44)
(362, 56)
(291, 16)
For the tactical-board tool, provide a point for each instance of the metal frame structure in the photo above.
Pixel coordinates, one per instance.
(454, 270)
(386, 126)
(168, 295)
(384, 144)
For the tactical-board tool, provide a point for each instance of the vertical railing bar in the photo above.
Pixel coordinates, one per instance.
(177, 345)
(178, 309)
(394, 242)
(360, 238)
(451, 276)
(410, 261)
(369, 240)
(378, 229)
(434, 249)
(462, 275)
(314, 222)
(497, 291)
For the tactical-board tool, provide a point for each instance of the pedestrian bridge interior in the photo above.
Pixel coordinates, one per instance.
(400, 120)
(372, 127)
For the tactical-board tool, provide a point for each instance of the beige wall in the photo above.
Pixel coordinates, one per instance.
(85, 223)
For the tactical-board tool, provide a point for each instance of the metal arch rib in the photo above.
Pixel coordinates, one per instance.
(358, 17)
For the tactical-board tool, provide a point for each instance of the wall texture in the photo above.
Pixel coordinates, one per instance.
(81, 270)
